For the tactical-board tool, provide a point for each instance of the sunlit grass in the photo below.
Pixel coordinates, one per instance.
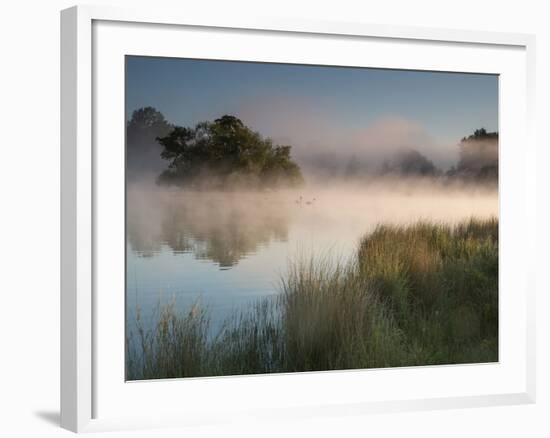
(421, 294)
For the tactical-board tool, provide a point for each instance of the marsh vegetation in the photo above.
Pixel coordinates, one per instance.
(421, 294)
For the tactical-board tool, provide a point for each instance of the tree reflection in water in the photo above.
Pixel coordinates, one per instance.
(217, 226)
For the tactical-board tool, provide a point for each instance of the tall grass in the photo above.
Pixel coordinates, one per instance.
(441, 283)
(413, 295)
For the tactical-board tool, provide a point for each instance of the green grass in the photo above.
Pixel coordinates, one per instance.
(422, 294)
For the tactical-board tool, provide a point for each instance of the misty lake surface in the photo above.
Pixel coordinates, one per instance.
(226, 250)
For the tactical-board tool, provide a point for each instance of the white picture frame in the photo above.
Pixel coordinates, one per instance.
(86, 375)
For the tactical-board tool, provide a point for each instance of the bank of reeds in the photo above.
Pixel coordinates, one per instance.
(421, 294)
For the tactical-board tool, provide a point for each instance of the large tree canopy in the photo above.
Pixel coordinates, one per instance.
(224, 154)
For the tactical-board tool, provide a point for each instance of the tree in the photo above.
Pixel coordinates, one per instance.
(225, 153)
(478, 156)
(143, 151)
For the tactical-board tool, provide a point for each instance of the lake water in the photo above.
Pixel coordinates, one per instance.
(226, 250)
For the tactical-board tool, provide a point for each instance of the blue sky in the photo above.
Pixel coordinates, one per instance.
(320, 107)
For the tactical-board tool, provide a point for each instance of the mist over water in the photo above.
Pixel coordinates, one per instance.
(238, 171)
(224, 249)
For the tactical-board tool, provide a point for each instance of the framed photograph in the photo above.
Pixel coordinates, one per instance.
(286, 218)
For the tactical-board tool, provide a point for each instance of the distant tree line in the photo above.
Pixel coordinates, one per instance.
(478, 161)
(226, 153)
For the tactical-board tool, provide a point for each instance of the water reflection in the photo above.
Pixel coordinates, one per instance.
(219, 227)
